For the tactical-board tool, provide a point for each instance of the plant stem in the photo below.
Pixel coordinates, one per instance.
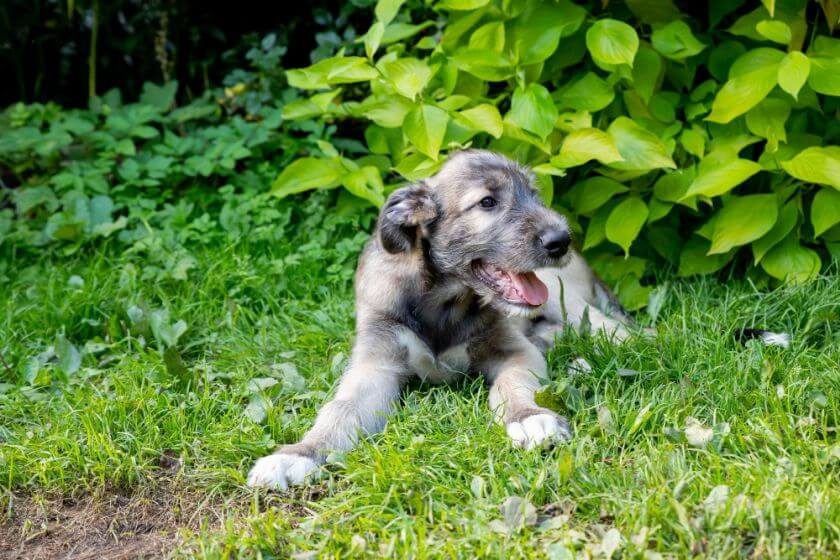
(94, 36)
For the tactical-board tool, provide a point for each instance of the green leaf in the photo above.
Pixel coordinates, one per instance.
(586, 144)
(791, 262)
(388, 111)
(816, 165)
(365, 183)
(693, 142)
(793, 72)
(484, 64)
(716, 176)
(767, 119)
(672, 186)
(400, 31)
(461, 5)
(311, 107)
(538, 30)
(788, 217)
(775, 30)
(373, 38)
(484, 117)
(676, 41)
(612, 42)
(425, 127)
(647, 72)
(69, 359)
(306, 174)
(590, 93)
(332, 71)
(160, 97)
(694, 260)
(489, 36)
(825, 210)
(639, 148)
(532, 109)
(386, 10)
(825, 75)
(408, 76)
(626, 221)
(591, 194)
(742, 220)
(633, 296)
(740, 94)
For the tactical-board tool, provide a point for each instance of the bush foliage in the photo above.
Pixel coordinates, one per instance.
(700, 139)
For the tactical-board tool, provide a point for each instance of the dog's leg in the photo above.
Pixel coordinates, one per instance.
(364, 398)
(514, 379)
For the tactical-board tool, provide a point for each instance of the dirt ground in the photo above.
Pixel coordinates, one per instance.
(111, 524)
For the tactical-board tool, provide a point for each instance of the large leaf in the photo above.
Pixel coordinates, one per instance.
(793, 72)
(332, 71)
(586, 144)
(365, 183)
(485, 64)
(825, 210)
(591, 194)
(537, 32)
(825, 76)
(816, 165)
(716, 176)
(647, 72)
(306, 174)
(743, 219)
(388, 111)
(408, 75)
(590, 93)
(742, 93)
(767, 119)
(612, 42)
(639, 148)
(775, 30)
(785, 223)
(489, 36)
(484, 117)
(695, 260)
(791, 262)
(425, 127)
(676, 41)
(626, 221)
(386, 10)
(532, 109)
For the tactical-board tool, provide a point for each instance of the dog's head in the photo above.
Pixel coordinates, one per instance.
(483, 223)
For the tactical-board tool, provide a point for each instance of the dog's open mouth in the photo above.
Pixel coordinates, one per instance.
(518, 288)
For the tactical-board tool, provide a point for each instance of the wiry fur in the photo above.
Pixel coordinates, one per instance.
(422, 311)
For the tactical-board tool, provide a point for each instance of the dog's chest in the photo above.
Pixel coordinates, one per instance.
(444, 367)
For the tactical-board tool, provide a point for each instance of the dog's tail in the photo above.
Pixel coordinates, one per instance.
(769, 338)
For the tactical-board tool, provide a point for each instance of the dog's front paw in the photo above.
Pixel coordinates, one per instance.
(538, 427)
(281, 470)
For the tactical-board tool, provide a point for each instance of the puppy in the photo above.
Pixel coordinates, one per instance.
(466, 272)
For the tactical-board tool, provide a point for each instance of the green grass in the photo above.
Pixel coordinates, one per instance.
(432, 484)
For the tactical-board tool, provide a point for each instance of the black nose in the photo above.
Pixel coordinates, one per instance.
(555, 241)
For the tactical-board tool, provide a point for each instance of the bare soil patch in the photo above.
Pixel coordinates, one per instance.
(142, 523)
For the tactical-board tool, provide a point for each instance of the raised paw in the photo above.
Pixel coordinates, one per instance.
(281, 470)
(538, 427)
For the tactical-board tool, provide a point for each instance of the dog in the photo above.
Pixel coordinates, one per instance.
(466, 272)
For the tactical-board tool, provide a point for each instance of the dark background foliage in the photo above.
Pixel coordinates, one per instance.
(45, 44)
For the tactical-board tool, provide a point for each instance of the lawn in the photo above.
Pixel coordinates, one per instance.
(687, 444)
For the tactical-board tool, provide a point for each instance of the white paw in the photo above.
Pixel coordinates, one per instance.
(538, 430)
(281, 470)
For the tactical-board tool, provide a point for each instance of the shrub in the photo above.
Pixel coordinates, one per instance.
(703, 140)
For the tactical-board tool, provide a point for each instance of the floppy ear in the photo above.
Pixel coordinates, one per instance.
(405, 210)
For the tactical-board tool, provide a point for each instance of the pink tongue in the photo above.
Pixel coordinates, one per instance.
(531, 288)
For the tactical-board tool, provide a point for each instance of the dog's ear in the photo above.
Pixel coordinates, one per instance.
(405, 210)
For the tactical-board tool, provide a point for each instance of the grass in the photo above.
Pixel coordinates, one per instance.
(432, 484)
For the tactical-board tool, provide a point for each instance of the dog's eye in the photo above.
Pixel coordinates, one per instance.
(487, 202)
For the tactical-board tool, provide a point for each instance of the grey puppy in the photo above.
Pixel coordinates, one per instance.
(467, 272)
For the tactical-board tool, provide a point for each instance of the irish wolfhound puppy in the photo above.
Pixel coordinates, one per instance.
(467, 272)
